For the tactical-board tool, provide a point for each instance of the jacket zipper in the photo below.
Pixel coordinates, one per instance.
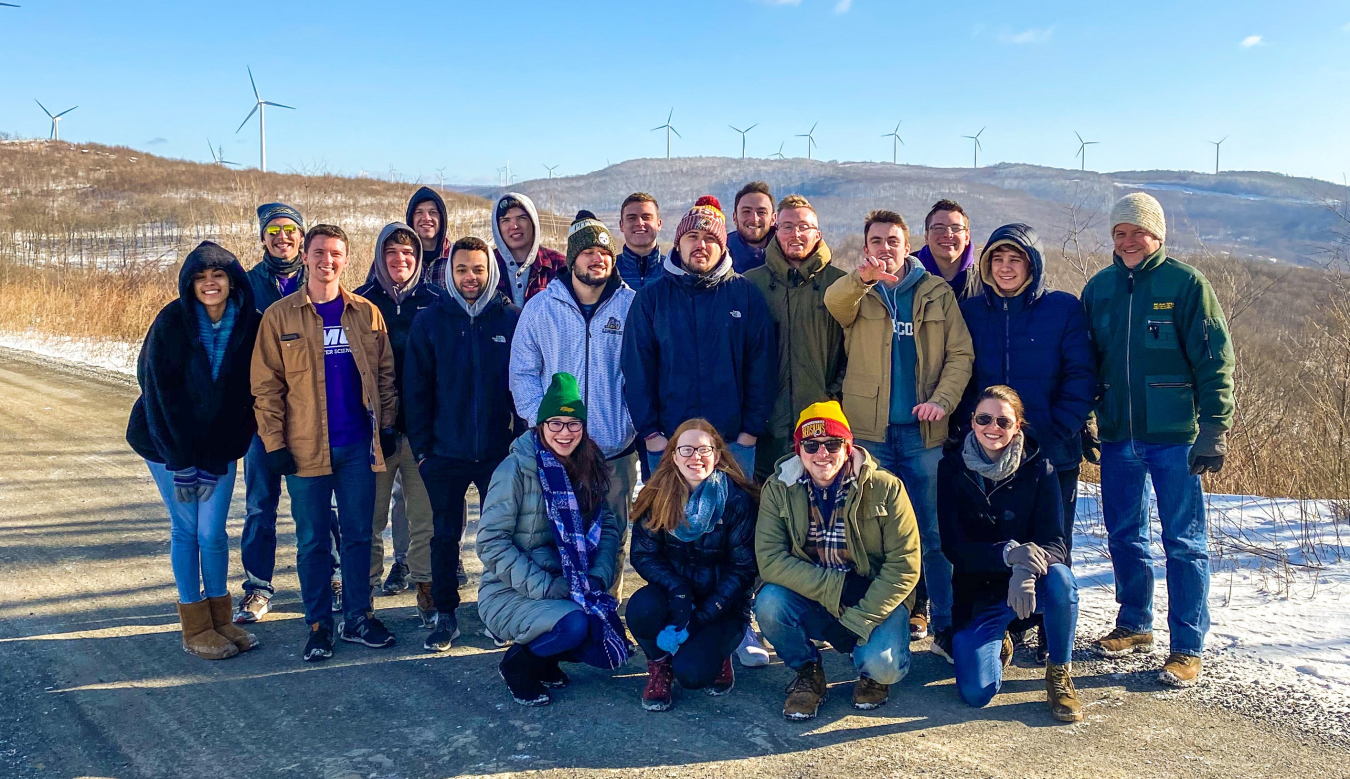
(1129, 347)
(1007, 339)
(787, 307)
(477, 419)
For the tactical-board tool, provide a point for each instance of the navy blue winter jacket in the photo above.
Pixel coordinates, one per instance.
(1037, 343)
(700, 346)
(398, 318)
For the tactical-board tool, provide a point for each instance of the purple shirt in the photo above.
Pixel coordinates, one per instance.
(348, 422)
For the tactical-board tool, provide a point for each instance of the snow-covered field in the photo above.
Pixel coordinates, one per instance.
(115, 356)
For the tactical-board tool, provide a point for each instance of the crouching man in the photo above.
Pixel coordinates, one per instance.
(838, 549)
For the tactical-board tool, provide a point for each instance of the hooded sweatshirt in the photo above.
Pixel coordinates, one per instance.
(521, 281)
(965, 284)
(899, 301)
(434, 262)
(184, 418)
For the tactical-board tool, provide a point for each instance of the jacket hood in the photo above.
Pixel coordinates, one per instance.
(419, 197)
(814, 263)
(790, 469)
(528, 205)
(674, 265)
(209, 255)
(379, 272)
(1023, 237)
(484, 298)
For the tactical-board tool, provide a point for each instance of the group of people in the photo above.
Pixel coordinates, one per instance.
(853, 458)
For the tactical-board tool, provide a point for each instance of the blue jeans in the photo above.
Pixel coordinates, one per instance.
(199, 549)
(744, 456)
(904, 455)
(976, 646)
(311, 504)
(791, 622)
(258, 545)
(1181, 511)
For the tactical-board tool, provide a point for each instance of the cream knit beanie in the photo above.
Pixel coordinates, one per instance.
(1142, 209)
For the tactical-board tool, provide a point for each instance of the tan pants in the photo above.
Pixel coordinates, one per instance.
(622, 480)
(418, 506)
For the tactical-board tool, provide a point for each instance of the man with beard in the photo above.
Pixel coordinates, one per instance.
(947, 252)
(752, 212)
(427, 217)
(525, 267)
(576, 326)
(640, 221)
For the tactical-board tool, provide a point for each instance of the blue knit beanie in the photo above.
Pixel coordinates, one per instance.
(269, 211)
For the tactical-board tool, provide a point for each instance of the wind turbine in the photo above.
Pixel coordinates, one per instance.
(778, 154)
(441, 172)
(56, 120)
(550, 170)
(218, 157)
(810, 139)
(743, 132)
(669, 128)
(976, 139)
(1082, 149)
(9, 5)
(259, 108)
(1217, 144)
(501, 178)
(895, 150)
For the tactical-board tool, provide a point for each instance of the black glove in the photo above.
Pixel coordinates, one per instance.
(841, 638)
(1092, 445)
(1206, 464)
(597, 584)
(855, 589)
(679, 610)
(388, 442)
(282, 462)
(707, 611)
(1208, 451)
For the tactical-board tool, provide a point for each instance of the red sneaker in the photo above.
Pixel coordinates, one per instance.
(724, 681)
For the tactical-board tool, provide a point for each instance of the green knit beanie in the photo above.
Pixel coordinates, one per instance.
(587, 231)
(563, 399)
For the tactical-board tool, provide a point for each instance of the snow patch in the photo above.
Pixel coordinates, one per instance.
(116, 356)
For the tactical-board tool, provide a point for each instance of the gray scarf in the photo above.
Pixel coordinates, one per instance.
(999, 469)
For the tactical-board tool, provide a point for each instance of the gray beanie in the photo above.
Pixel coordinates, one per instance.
(1142, 209)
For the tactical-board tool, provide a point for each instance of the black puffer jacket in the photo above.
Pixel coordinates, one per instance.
(977, 518)
(717, 570)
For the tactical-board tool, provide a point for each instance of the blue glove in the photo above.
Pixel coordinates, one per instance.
(185, 485)
(206, 486)
(670, 639)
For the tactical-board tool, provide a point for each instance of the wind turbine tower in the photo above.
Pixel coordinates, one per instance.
(56, 119)
(441, 172)
(810, 137)
(218, 156)
(976, 139)
(743, 132)
(895, 148)
(669, 128)
(259, 107)
(1217, 144)
(1082, 149)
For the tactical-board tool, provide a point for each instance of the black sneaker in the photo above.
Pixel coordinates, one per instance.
(942, 644)
(367, 630)
(443, 634)
(337, 596)
(462, 575)
(320, 644)
(397, 580)
(500, 643)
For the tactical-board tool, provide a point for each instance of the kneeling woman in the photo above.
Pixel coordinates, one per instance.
(694, 542)
(549, 546)
(1000, 513)
(193, 421)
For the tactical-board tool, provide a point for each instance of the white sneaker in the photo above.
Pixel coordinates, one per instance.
(751, 653)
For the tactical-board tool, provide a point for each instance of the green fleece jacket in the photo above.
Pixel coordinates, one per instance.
(882, 536)
(1164, 359)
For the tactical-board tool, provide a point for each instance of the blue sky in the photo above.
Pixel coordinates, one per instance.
(412, 87)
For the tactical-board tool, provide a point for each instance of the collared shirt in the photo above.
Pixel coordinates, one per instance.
(826, 535)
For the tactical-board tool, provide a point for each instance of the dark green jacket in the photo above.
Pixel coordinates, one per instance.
(810, 341)
(1164, 360)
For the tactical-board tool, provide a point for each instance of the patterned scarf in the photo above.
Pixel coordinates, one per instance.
(826, 536)
(576, 544)
(215, 337)
(704, 508)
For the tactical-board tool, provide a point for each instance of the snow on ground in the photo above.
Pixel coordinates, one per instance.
(115, 356)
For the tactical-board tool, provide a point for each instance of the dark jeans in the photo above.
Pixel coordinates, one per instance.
(700, 658)
(1068, 490)
(565, 635)
(311, 504)
(447, 482)
(258, 544)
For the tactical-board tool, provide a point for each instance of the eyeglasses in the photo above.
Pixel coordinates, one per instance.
(947, 229)
(557, 426)
(289, 230)
(984, 420)
(690, 451)
(832, 445)
(794, 229)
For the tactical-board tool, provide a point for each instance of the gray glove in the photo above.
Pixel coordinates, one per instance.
(185, 485)
(1029, 556)
(1022, 592)
(1207, 453)
(206, 486)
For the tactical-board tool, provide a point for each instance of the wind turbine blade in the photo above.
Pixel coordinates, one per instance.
(751, 127)
(44, 108)
(250, 116)
(670, 116)
(734, 127)
(254, 84)
(1080, 138)
(662, 127)
(813, 128)
(278, 105)
(677, 132)
(63, 113)
(901, 140)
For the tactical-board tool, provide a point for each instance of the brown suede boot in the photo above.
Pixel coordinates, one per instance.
(222, 621)
(1060, 694)
(199, 637)
(806, 692)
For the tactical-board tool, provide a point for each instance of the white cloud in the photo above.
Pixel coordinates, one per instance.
(842, 6)
(1252, 40)
(1027, 37)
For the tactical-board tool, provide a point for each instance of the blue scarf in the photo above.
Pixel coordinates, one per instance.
(704, 508)
(576, 544)
(215, 338)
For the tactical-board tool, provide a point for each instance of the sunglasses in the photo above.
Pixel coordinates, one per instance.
(984, 420)
(557, 426)
(289, 230)
(832, 445)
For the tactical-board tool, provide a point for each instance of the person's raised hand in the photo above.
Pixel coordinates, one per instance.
(872, 270)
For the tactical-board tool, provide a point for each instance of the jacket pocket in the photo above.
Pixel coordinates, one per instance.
(296, 356)
(860, 400)
(1160, 334)
(1170, 404)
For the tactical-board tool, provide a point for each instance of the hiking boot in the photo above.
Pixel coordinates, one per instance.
(868, 695)
(518, 670)
(426, 607)
(1121, 642)
(397, 580)
(224, 625)
(550, 674)
(500, 643)
(199, 637)
(1180, 670)
(1060, 694)
(751, 652)
(461, 575)
(445, 629)
(660, 679)
(320, 644)
(367, 630)
(918, 625)
(942, 644)
(806, 693)
(251, 608)
(726, 679)
(1005, 653)
(337, 596)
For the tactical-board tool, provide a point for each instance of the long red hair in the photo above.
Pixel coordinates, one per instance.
(663, 497)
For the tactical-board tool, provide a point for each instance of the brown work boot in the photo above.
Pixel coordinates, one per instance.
(918, 624)
(1180, 670)
(806, 692)
(1060, 694)
(868, 695)
(1005, 653)
(426, 607)
(1121, 642)
(199, 637)
(726, 679)
(660, 679)
(222, 621)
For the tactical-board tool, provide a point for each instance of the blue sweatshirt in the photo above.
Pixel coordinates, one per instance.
(904, 354)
